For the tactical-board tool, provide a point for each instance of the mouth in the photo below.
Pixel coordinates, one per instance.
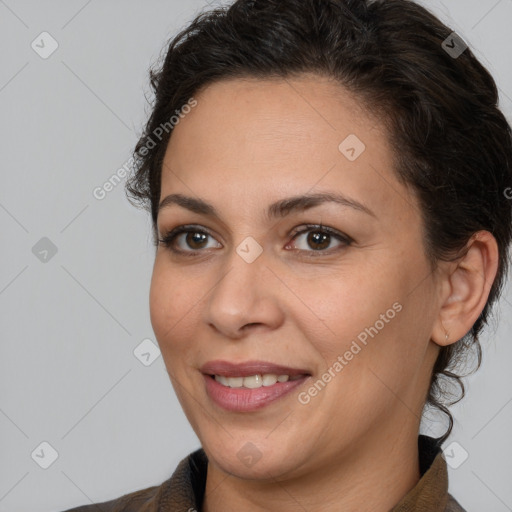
(251, 385)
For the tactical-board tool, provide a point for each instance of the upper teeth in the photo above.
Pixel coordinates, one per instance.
(254, 381)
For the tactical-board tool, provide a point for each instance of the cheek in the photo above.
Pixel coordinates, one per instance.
(345, 307)
(170, 306)
(371, 320)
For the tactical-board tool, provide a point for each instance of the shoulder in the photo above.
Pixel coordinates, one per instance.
(184, 490)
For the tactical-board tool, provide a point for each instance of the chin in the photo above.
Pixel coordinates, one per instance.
(262, 458)
(268, 467)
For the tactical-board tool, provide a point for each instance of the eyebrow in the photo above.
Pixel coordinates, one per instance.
(279, 209)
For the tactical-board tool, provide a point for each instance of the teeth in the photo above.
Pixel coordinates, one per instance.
(269, 379)
(232, 382)
(254, 381)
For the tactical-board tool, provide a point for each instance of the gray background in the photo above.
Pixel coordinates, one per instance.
(70, 325)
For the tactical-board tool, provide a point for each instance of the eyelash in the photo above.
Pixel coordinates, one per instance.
(169, 238)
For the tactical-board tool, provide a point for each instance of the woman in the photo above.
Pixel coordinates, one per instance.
(331, 225)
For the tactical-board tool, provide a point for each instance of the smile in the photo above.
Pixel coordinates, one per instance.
(250, 385)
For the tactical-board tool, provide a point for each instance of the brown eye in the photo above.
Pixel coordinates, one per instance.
(320, 238)
(187, 238)
(195, 239)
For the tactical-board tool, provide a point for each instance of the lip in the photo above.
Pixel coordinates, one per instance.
(245, 399)
(248, 368)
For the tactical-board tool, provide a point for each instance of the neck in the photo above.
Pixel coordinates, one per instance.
(375, 477)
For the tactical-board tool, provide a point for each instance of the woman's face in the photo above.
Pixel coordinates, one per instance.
(347, 310)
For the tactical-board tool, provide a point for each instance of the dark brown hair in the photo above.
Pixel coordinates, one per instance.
(451, 143)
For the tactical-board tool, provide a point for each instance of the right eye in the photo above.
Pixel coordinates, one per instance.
(193, 237)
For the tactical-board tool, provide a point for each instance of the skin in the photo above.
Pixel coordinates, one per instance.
(353, 447)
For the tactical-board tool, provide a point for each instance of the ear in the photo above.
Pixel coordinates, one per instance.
(465, 287)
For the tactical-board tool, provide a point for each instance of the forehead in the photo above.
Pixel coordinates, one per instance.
(301, 109)
(254, 140)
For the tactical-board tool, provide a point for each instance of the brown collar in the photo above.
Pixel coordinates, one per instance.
(430, 494)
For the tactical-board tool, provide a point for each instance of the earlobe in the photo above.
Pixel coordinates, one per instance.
(467, 286)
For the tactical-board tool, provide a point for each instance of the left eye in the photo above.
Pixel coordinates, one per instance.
(319, 238)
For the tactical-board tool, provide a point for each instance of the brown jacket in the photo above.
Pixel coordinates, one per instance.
(184, 491)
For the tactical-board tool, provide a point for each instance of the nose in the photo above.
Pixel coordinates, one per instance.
(245, 297)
